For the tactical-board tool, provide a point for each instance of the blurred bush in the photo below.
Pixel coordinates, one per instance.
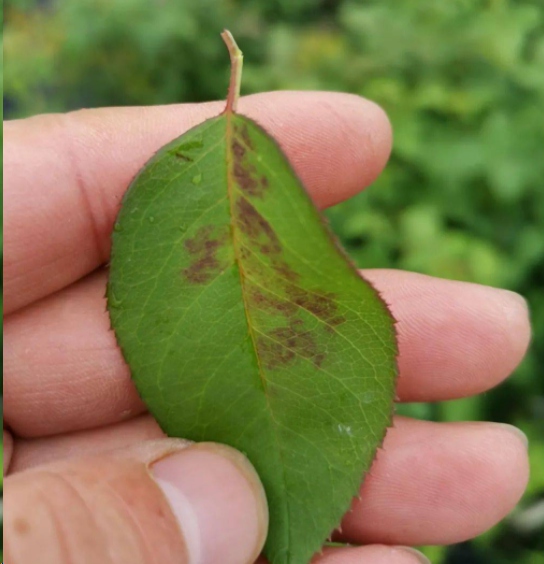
(463, 195)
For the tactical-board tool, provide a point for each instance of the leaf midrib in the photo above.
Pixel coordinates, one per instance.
(239, 264)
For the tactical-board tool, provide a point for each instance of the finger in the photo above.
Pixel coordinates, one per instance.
(374, 554)
(30, 453)
(439, 483)
(60, 204)
(165, 502)
(78, 379)
(456, 339)
(433, 483)
(63, 370)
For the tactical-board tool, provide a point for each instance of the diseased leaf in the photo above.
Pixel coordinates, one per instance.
(243, 323)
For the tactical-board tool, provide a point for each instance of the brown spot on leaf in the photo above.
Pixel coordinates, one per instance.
(281, 346)
(245, 173)
(321, 305)
(268, 302)
(293, 336)
(244, 134)
(274, 354)
(203, 250)
(255, 226)
(245, 253)
(261, 237)
(238, 150)
(285, 271)
(245, 180)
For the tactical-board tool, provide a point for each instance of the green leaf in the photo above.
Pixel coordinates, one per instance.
(244, 323)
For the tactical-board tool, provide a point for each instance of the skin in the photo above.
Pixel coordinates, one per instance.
(87, 467)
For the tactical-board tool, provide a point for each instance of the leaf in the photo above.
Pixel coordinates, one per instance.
(243, 322)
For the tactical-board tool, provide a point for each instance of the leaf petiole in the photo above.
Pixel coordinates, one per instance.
(236, 61)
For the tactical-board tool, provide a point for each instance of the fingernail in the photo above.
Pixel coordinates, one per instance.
(218, 501)
(515, 431)
(419, 556)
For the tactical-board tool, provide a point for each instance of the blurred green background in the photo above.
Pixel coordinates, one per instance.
(463, 194)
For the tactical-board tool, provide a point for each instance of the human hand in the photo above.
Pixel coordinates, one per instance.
(114, 489)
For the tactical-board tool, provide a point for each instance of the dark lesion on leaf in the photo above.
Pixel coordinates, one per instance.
(282, 345)
(289, 334)
(254, 226)
(269, 303)
(245, 174)
(203, 248)
(322, 305)
(283, 270)
(238, 150)
(243, 132)
(261, 239)
(293, 338)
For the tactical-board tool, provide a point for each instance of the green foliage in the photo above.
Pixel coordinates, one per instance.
(244, 324)
(463, 195)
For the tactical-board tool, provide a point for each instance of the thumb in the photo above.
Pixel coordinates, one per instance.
(164, 501)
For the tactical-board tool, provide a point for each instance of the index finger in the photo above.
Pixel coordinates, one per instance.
(65, 174)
